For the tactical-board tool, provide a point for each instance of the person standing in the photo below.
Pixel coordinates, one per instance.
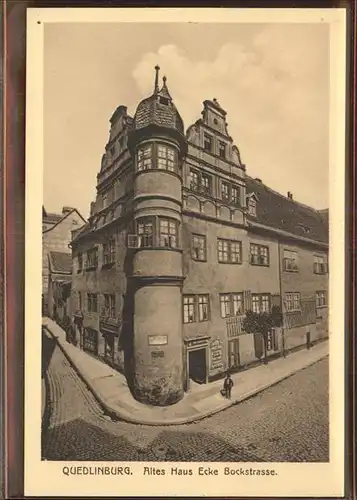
(227, 385)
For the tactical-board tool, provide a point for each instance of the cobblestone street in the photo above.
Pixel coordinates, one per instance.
(288, 422)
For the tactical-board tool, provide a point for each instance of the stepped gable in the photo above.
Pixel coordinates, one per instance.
(279, 212)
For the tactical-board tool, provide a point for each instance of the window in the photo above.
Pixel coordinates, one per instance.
(203, 307)
(229, 251)
(206, 184)
(79, 301)
(189, 309)
(230, 193)
(321, 299)
(168, 233)
(145, 232)
(92, 301)
(198, 249)
(121, 143)
(195, 308)
(260, 302)
(92, 258)
(222, 150)
(109, 305)
(109, 252)
(320, 264)
(225, 191)
(164, 101)
(252, 207)
(235, 195)
(194, 180)
(80, 262)
(237, 301)
(207, 142)
(157, 231)
(90, 340)
(200, 182)
(112, 151)
(166, 158)
(144, 158)
(231, 304)
(292, 301)
(259, 255)
(291, 262)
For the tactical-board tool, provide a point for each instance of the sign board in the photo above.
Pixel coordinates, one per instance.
(157, 354)
(157, 339)
(216, 355)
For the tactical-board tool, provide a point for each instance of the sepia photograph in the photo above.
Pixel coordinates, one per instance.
(186, 246)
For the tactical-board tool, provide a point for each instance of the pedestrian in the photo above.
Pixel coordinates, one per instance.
(227, 385)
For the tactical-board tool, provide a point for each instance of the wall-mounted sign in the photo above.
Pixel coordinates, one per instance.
(157, 339)
(157, 354)
(216, 355)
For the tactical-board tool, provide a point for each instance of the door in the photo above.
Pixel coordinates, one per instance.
(197, 366)
(233, 354)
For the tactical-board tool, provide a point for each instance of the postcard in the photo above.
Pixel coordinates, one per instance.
(185, 208)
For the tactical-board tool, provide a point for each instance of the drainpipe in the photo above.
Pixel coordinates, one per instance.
(281, 300)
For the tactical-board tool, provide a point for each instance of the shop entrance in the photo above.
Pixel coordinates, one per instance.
(197, 366)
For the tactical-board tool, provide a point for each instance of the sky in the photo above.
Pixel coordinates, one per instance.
(272, 79)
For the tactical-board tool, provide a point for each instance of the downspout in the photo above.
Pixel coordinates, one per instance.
(281, 300)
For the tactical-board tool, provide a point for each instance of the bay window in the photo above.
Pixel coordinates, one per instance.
(156, 231)
(157, 156)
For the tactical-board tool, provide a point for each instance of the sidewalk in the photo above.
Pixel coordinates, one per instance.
(111, 390)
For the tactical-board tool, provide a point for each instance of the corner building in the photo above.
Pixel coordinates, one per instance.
(174, 253)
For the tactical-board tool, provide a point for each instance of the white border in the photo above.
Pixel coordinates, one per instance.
(46, 478)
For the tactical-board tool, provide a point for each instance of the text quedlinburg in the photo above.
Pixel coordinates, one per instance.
(74, 470)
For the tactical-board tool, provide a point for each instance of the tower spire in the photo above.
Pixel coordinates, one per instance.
(157, 69)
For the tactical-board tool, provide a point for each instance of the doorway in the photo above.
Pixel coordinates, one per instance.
(197, 368)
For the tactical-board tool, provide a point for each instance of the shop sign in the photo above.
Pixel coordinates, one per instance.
(216, 355)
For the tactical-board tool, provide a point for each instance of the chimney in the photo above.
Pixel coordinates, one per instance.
(66, 210)
(290, 195)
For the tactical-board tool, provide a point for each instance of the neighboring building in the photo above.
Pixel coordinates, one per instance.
(56, 236)
(59, 284)
(179, 244)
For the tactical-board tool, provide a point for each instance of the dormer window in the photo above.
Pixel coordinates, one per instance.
(164, 101)
(222, 150)
(252, 207)
(207, 143)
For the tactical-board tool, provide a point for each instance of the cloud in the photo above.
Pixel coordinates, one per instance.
(274, 91)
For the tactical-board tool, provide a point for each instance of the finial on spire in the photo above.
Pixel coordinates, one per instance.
(164, 79)
(157, 69)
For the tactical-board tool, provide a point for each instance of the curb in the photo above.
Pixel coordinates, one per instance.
(116, 414)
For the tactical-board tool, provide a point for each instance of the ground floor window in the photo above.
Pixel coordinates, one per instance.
(90, 341)
(321, 299)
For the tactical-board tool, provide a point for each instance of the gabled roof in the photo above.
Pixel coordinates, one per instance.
(57, 218)
(60, 262)
(279, 212)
